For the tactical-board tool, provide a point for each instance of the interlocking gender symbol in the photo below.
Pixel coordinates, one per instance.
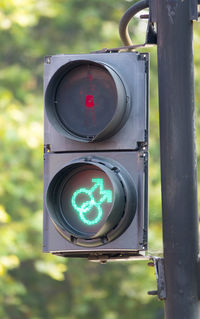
(84, 208)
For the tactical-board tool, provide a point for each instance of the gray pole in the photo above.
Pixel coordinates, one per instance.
(178, 158)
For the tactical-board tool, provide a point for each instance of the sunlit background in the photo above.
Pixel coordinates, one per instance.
(41, 286)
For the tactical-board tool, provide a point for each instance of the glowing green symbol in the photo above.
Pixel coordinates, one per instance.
(84, 208)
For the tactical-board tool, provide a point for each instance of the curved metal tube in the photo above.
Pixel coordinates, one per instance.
(123, 27)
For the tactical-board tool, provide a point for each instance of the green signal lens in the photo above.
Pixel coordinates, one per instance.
(85, 208)
(88, 201)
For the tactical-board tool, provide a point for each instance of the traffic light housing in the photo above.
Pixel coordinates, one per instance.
(95, 158)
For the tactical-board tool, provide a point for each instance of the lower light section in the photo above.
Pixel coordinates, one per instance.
(91, 201)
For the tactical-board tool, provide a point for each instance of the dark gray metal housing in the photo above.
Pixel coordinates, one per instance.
(128, 147)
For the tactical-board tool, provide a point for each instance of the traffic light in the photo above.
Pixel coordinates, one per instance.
(95, 155)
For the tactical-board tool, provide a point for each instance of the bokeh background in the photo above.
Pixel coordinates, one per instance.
(41, 286)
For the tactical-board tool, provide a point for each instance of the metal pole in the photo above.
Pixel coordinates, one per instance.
(178, 158)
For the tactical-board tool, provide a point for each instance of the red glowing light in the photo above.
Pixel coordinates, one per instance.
(89, 100)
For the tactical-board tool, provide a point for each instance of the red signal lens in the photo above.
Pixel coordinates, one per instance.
(86, 99)
(89, 100)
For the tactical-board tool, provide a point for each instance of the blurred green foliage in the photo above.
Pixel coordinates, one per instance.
(34, 285)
